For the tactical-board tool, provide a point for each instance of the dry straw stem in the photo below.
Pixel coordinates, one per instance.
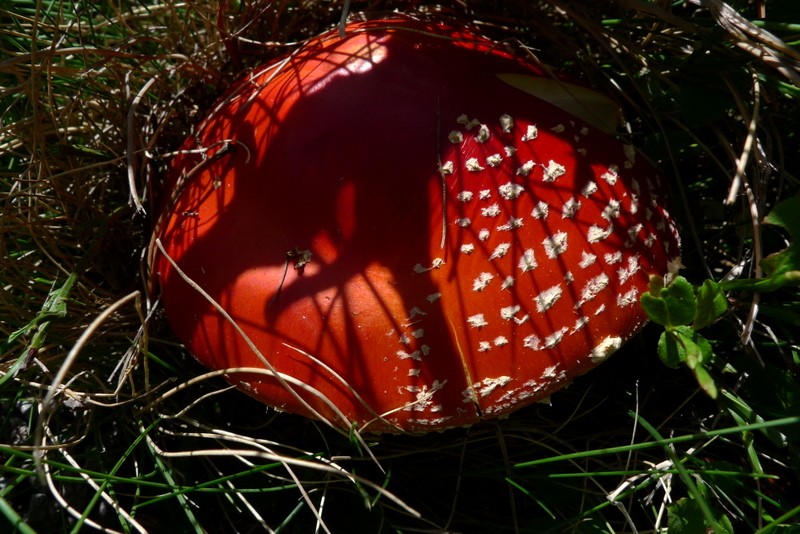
(94, 101)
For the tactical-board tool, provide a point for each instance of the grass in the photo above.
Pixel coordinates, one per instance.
(108, 424)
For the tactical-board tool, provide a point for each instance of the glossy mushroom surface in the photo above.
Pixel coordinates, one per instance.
(409, 236)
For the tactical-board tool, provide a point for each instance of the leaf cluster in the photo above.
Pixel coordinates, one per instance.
(683, 309)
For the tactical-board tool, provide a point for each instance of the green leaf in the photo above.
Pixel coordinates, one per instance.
(683, 345)
(55, 306)
(686, 517)
(668, 350)
(743, 411)
(781, 269)
(705, 381)
(711, 305)
(787, 262)
(672, 306)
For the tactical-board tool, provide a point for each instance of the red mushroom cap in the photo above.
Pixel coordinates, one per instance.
(408, 228)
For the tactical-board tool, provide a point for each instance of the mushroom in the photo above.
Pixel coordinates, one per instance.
(408, 228)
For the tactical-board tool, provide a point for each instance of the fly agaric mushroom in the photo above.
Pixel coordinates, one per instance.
(407, 228)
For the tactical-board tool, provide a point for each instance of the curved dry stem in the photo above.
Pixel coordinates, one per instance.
(55, 387)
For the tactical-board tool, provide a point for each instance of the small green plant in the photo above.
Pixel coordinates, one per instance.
(780, 269)
(683, 309)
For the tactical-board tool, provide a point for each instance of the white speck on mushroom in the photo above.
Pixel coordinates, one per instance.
(651, 239)
(547, 298)
(605, 348)
(528, 261)
(462, 119)
(477, 320)
(584, 130)
(507, 282)
(541, 210)
(522, 320)
(491, 211)
(674, 265)
(414, 312)
(483, 134)
(612, 257)
(531, 133)
(471, 124)
(424, 397)
(510, 191)
(425, 350)
(568, 277)
(500, 341)
(526, 168)
(403, 355)
(625, 273)
(494, 160)
(532, 342)
(465, 196)
(512, 224)
(484, 346)
(485, 194)
(550, 372)
(579, 323)
(553, 171)
(629, 298)
(405, 340)
(634, 208)
(500, 251)
(589, 189)
(506, 122)
(472, 165)
(600, 309)
(611, 175)
(611, 211)
(455, 137)
(558, 128)
(593, 287)
(597, 233)
(433, 297)
(582, 151)
(467, 248)
(447, 167)
(555, 245)
(555, 338)
(570, 208)
(463, 222)
(468, 395)
(435, 264)
(509, 312)
(634, 230)
(587, 259)
(510, 150)
(491, 384)
(431, 422)
(418, 333)
(480, 283)
(414, 372)
(483, 234)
